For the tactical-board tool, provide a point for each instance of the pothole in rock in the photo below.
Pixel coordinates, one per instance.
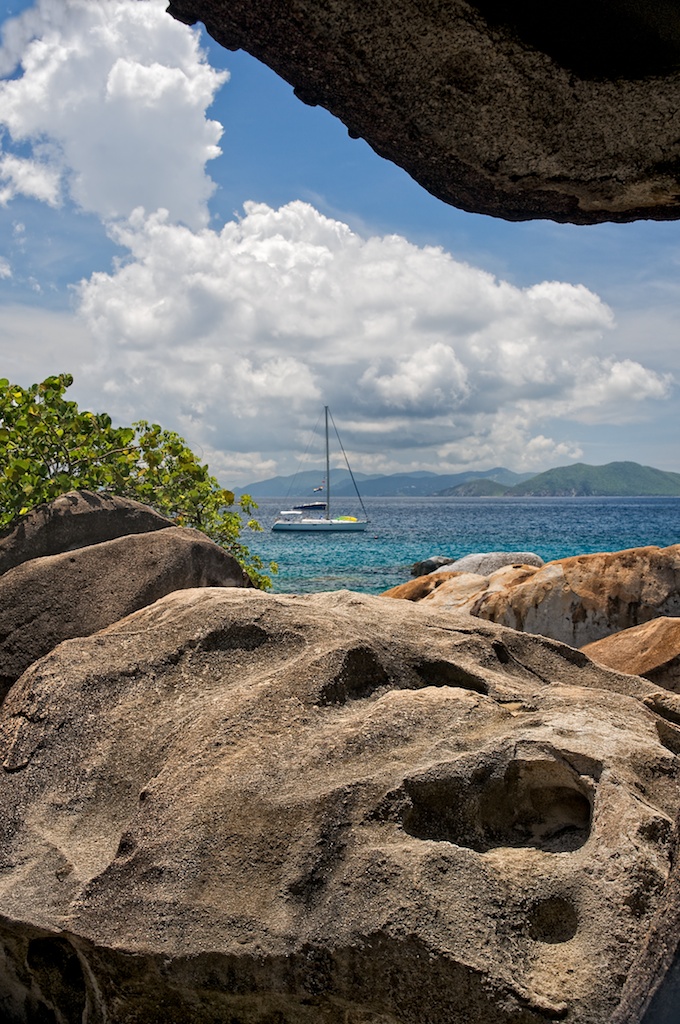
(669, 735)
(553, 920)
(535, 803)
(438, 672)
(234, 637)
(362, 673)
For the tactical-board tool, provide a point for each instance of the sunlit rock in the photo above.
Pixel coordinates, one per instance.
(334, 808)
(576, 600)
(651, 650)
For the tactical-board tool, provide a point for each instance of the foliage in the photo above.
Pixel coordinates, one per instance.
(49, 446)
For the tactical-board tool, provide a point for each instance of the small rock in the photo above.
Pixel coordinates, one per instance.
(430, 564)
(488, 562)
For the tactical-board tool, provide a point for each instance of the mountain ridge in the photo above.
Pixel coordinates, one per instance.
(614, 479)
(393, 485)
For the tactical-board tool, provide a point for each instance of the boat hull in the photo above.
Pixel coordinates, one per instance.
(291, 520)
(320, 526)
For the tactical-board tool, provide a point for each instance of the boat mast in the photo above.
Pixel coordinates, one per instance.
(328, 471)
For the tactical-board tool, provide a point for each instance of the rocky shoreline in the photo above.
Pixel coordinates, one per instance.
(620, 607)
(220, 805)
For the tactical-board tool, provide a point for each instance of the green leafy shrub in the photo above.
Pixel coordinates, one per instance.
(49, 446)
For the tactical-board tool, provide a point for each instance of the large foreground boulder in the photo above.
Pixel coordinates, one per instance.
(237, 808)
(75, 593)
(75, 520)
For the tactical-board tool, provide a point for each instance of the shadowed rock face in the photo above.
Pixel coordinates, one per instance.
(518, 110)
(331, 809)
(83, 561)
(75, 520)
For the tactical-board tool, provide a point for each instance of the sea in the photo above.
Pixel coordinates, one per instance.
(402, 531)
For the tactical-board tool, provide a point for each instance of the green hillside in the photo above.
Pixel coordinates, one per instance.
(479, 488)
(616, 479)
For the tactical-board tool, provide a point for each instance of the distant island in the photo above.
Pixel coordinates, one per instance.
(616, 479)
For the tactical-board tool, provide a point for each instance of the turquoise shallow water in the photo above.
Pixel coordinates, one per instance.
(402, 531)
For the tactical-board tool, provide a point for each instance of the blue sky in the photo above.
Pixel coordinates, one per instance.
(442, 340)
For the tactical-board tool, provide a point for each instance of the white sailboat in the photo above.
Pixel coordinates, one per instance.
(294, 519)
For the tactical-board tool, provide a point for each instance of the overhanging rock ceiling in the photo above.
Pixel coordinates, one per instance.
(519, 110)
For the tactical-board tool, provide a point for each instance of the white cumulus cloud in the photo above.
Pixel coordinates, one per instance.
(247, 331)
(601, 397)
(431, 378)
(120, 91)
(34, 178)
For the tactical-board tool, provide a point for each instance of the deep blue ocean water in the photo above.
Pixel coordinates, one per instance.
(402, 531)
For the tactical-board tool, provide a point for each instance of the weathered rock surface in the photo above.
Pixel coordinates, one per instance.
(75, 520)
(416, 590)
(497, 108)
(75, 593)
(651, 994)
(460, 591)
(651, 650)
(487, 562)
(582, 599)
(576, 600)
(331, 809)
